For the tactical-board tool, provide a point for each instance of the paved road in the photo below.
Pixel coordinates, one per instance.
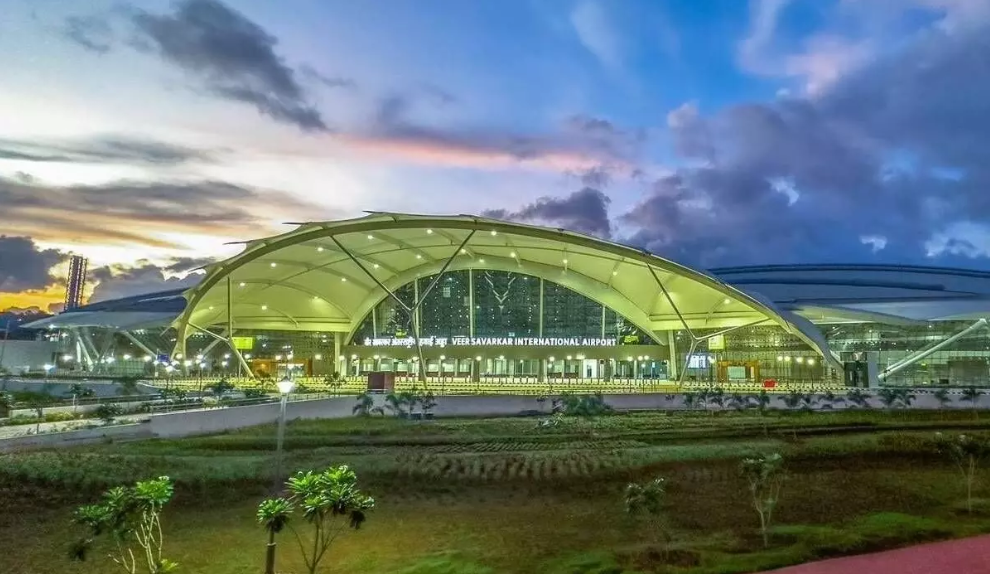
(966, 556)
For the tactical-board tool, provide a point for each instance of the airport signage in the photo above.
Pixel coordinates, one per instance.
(491, 342)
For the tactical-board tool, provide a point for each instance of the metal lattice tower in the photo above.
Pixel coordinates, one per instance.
(76, 282)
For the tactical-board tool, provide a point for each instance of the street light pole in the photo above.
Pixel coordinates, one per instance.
(285, 387)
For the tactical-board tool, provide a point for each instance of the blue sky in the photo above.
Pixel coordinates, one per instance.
(714, 132)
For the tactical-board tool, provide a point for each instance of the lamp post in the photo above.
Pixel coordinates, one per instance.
(285, 387)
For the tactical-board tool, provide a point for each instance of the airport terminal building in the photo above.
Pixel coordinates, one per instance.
(481, 305)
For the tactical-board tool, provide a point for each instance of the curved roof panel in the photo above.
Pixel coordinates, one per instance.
(881, 293)
(328, 275)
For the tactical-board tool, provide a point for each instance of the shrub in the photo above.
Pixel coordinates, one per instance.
(131, 518)
(108, 412)
(254, 393)
(329, 502)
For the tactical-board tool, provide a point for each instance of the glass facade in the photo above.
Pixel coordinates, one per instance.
(486, 303)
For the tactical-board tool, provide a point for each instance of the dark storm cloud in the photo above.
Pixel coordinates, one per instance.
(116, 281)
(93, 33)
(899, 150)
(584, 211)
(234, 57)
(104, 149)
(24, 266)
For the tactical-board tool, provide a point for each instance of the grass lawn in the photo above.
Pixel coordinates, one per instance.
(502, 495)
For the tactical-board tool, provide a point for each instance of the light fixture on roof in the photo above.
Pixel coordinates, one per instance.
(512, 254)
(726, 301)
(463, 250)
(614, 273)
(316, 298)
(376, 266)
(318, 357)
(264, 307)
(343, 279)
(371, 237)
(565, 262)
(211, 307)
(320, 249)
(481, 261)
(494, 233)
(273, 264)
(418, 256)
(127, 357)
(241, 284)
(429, 231)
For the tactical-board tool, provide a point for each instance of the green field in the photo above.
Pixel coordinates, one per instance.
(505, 495)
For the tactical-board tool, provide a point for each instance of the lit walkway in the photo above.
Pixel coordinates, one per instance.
(965, 556)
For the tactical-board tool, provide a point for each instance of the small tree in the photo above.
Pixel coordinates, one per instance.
(220, 388)
(427, 402)
(645, 501)
(889, 396)
(972, 395)
(108, 412)
(738, 402)
(765, 474)
(943, 398)
(966, 451)
(793, 400)
(857, 397)
(329, 502)
(365, 403)
(131, 518)
(273, 514)
(127, 385)
(6, 403)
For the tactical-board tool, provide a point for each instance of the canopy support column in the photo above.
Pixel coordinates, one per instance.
(137, 343)
(230, 343)
(672, 351)
(919, 355)
(411, 312)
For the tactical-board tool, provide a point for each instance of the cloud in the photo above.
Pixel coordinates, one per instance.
(91, 32)
(803, 179)
(579, 144)
(116, 281)
(24, 266)
(232, 56)
(596, 33)
(104, 149)
(142, 213)
(876, 242)
(584, 211)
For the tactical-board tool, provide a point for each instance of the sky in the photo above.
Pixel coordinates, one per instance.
(149, 135)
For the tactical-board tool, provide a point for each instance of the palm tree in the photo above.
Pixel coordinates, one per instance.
(857, 397)
(793, 399)
(943, 398)
(273, 514)
(972, 394)
(889, 396)
(738, 402)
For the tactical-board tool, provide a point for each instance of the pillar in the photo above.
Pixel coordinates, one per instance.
(337, 340)
(607, 369)
(672, 359)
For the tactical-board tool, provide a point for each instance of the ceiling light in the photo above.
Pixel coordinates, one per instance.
(376, 266)
(726, 301)
(211, 307)
(512, 254)
(614, 273)
(494, 233)
(241, 284)
(319, 249)
(565, 262)
(418, 256)
(463, 250)
(371, 237)
(264, 307)
(429, 231)
(344, 279)
(481, 261)
(273, 264)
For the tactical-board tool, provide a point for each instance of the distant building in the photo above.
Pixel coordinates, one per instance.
(75, 283)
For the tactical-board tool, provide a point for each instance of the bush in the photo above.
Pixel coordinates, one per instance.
(254, 393)
(108, 412)
(887, 527)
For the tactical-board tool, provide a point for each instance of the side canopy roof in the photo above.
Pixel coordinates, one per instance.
(327, 276)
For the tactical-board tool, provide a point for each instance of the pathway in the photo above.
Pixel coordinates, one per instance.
(965, 556)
